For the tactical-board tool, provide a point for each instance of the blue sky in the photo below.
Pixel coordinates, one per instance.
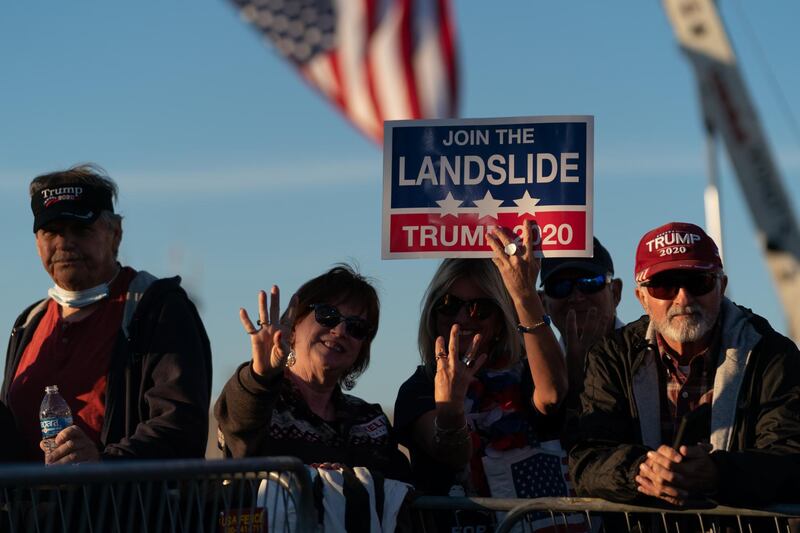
(236, 175)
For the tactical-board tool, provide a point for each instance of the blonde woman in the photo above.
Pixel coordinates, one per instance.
(492, 376)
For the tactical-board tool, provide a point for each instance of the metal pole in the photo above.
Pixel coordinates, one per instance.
(711, 197)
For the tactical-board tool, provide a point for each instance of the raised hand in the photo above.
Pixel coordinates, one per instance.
(268, 342)
(545, 357)
(454, 374)
(579, 338)
(519, 271)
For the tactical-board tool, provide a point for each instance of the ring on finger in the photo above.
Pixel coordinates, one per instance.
(468, 360)
(515, 247)
(441, 355)
(261, 323)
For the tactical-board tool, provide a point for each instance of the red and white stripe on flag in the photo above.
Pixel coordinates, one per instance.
(375, 60)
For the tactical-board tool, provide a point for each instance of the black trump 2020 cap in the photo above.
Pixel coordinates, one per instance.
(79, 202)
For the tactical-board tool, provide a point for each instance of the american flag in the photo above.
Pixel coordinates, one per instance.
(546, 475)
(375, 60)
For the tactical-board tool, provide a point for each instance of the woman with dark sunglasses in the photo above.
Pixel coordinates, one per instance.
(288, 399)
(492, 374)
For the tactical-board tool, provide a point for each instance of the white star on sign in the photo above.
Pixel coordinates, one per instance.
(488, 206)
(449, 206)
(526, 204)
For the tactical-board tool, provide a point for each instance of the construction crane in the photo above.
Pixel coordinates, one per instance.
(729, 114)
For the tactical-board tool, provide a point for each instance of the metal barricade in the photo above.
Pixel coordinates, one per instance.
(607, 516)
(553, 515)
(431, 514)
(177, 496)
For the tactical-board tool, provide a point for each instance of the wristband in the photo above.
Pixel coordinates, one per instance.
(545, 321)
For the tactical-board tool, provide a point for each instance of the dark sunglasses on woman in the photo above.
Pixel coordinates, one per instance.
(665, 286)
(328, 316)
(480, 308)
(561, 288)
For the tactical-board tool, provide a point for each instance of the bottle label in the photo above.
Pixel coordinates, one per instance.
(51, 426)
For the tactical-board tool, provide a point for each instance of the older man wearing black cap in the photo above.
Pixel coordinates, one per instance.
(128, 351)
(581, 296)
(700, 398)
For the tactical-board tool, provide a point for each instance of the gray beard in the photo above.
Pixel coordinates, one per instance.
(690, 329)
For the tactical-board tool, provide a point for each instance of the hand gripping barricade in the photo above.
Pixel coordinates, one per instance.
(345, 501)
(177, 496)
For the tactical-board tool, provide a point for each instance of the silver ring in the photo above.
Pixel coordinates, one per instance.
(468, 361)
(511, 248)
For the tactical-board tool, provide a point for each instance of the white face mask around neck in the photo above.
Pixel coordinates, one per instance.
(80, 299)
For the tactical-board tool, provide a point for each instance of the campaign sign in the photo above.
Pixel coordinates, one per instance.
(446, 183)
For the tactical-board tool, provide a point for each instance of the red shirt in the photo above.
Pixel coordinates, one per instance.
(76, 357)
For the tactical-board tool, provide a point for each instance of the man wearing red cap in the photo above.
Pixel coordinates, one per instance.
(700, 398)
(127, 351)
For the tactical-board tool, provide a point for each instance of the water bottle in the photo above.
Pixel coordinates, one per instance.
(54, 415)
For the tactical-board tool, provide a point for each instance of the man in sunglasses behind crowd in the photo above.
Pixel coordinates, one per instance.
(694, 348)
(581, 296)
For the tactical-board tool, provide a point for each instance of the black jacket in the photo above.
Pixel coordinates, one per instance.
(159, 381)
(755, 413)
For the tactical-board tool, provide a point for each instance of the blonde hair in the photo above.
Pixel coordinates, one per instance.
(484, 274)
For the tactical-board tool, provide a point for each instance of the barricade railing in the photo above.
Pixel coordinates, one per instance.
(275, 494)
(436, 513)
(176, 496)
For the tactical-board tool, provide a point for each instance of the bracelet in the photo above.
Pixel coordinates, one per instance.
(545, 321)
(449, 436)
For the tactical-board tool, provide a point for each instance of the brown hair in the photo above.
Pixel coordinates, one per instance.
(342, 283)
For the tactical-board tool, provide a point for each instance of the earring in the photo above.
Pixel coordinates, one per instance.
(291, 358)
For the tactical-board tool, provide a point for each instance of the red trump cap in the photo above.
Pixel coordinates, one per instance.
(675, 246)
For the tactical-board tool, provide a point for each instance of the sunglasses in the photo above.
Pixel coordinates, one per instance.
(480, 308)
(561, 288)
(667, 285)
(328, 316)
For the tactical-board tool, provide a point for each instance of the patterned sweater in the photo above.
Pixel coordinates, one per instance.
(268, 416)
